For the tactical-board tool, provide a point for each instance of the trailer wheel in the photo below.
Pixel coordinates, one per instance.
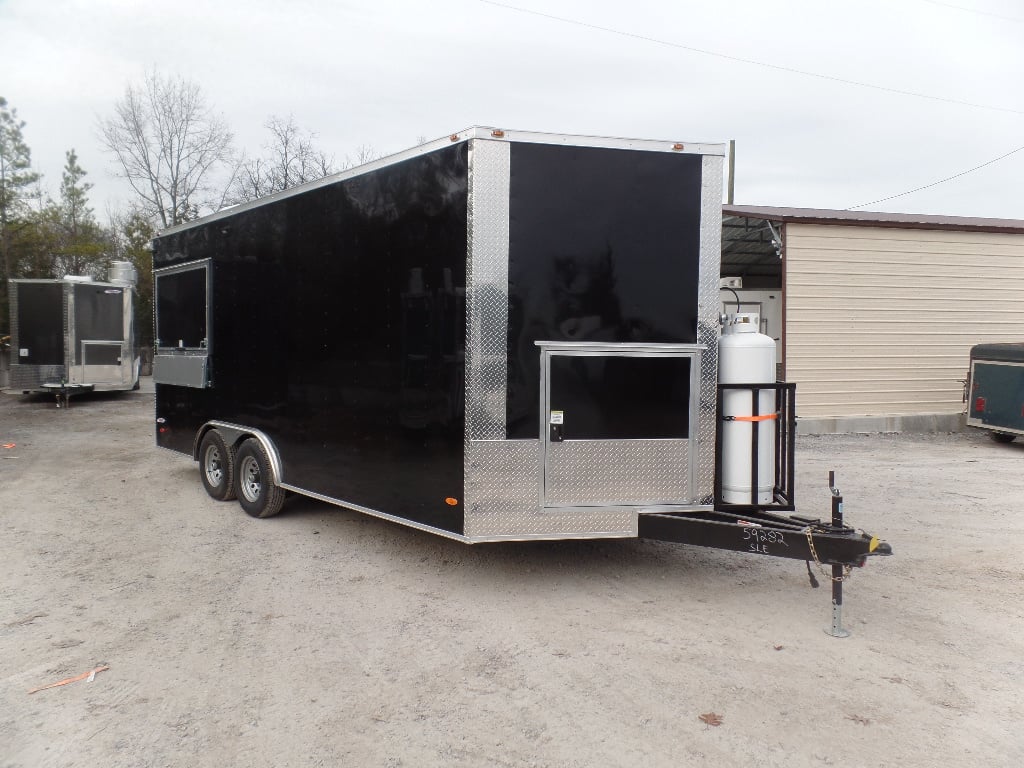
(217, 466)
(257, 493)
(1003, 437)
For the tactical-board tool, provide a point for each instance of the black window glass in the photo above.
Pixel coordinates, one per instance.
(99, 315)
(181, 309)
(621, 398)
(100, 354)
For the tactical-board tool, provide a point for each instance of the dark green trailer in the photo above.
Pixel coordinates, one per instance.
(995, 394)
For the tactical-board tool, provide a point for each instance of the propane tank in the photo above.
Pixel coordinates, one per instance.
(746, 356)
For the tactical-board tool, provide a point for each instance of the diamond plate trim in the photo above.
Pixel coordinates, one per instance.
(34, 376)
(487, 290)
(610, 472)
(707, 320)
(69, 329)
(502, 498)
(12, 303)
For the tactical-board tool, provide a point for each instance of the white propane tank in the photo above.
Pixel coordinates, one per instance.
(746, 356)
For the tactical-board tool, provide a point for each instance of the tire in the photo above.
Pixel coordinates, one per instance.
(1003, 437)
(254, 484)
(217, 466)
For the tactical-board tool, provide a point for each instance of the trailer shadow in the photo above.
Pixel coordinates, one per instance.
(548, 561)
(1016, 445)
(43, 400)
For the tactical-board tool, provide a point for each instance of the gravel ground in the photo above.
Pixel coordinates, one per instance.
(324, 637)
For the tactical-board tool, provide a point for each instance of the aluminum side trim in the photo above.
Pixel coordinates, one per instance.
(375, 513)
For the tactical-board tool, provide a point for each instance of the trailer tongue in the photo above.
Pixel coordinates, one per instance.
(774, 535)
(765, 533)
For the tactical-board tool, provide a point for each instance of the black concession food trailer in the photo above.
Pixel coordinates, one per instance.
(498, 335)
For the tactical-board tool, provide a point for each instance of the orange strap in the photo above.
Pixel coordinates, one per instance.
(75, 679)
(766, 417)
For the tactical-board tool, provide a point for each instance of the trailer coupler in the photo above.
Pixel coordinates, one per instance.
(761, 532)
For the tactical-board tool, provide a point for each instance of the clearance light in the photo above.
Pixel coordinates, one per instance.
(979, 404)
(677, 147)
(451, 502)
(453, 137)
(498, 133)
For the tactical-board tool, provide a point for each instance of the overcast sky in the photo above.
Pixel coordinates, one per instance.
(385, 72)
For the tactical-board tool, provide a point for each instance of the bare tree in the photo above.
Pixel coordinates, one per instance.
(291, 159)
(168, 143)
(364, 153)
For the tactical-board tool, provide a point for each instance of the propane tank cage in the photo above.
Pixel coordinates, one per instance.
(784, 419)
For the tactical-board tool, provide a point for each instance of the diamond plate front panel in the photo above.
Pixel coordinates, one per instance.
(587, 472)
(504, 478)
(503, 498)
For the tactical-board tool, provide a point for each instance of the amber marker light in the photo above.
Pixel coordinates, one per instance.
(498, 133)
(678, 147)
(453, 137)
(451, 502)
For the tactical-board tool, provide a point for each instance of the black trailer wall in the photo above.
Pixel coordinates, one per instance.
(338, 327)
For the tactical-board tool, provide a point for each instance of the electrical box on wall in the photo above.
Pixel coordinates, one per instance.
(730, 282)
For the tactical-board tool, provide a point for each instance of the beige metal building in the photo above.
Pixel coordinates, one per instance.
(876, 313)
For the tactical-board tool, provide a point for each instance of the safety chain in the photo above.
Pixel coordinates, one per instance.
(847, 569)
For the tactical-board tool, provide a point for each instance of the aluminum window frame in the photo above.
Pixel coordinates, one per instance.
(693, 352)
(163, 349)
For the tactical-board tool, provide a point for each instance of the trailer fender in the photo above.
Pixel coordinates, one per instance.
(233, 435)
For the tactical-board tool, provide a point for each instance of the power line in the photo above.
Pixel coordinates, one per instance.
(940, 181)
(728, 57)
(975, 10)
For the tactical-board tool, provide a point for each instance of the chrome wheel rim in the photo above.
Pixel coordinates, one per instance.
(213, 466)
(251, 482)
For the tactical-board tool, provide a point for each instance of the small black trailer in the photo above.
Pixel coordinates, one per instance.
(74, 335)
(498, 335)
(996, 390)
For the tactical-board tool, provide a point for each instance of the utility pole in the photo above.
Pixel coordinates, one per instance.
(732, 171)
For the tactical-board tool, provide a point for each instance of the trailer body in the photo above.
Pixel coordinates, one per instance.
(996, 389)
(74, 334)
(499, 335)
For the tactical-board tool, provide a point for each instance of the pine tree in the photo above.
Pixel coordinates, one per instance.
(83, 247)
(16, 179)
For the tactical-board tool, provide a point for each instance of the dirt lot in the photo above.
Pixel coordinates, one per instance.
(324, 637)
